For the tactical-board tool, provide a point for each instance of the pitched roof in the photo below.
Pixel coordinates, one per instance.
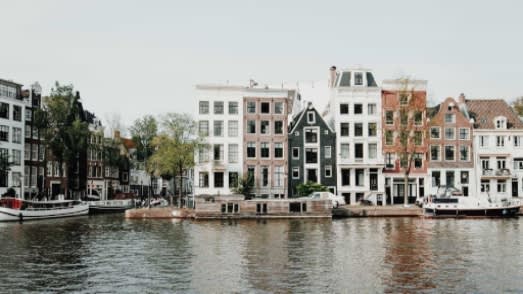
(128, 143)
(485, 110)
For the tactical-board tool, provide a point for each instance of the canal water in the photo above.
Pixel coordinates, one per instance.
(367, 255)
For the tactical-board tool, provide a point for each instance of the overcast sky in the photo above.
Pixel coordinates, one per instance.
(144, 57)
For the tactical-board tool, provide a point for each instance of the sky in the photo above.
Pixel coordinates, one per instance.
(131, 58)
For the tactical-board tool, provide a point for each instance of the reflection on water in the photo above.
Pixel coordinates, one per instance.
(395, 255)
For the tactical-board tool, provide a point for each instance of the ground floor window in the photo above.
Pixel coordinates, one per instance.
(230, 207)
(218, 180)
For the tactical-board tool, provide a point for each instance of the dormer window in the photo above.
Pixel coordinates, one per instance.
(501, 123)
(310, 117)
(345, 79)
(358, 79)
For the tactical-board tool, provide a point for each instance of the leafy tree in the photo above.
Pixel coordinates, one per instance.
(518, 105)
(245, 186)
(310, 187)
(66, 131)
(142, 133)
(174, 148)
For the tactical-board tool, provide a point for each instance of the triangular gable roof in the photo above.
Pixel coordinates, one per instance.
(300, 115)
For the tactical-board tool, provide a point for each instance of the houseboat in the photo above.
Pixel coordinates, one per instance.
(106, 206)
(235, 207)
(16, 209)
(450, 202)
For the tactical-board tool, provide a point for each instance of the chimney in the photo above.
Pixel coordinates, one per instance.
(461, 99)
(332, 76)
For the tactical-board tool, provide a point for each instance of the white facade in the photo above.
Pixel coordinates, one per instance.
(355, 115)
(12, 123)
(219, 114)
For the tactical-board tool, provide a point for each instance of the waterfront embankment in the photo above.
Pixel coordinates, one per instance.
(376, 211)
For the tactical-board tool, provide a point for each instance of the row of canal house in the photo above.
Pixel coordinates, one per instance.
(355, 147)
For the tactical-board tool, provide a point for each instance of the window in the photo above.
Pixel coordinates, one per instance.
(502, 186)
(435, 133)
(278, 150)
(218, 109)
(390, 159)
(500, 141)
(373, 150)
(278, 176)
(251, 127)
(218, 152)
(232, 128)
(464, 175)
(204, 107)
(449, 134)
(434, 152)
(251, 149)
(345, 177)
(328, 171)
(449, 178)
(463, 134)
(500, 124)
(295, 172)
(28, 114)
(278, 107)
(358, 151)
(251, 107)
(4, 110)
(295, 153)
(449, 153)
(218, 128)
(17, 135)
(17, 113)
(311, 135)
(418, 160)
(501, 162)
(264, 176)
(27, 151)
(404, 117)
(264, 127)
(450, 118)
(371, 108)
(35, 133)
(389, 117)
(17, 157)
(41, 153)
(328, 151)
(418, 138)
(311, 155)
(518, 140)
(203, 155)
(233, 153)
(485, 163)
(218, 179)
(264, 147)
(344, 129)
(358, 108)
(233, 107)
(389, 137)
(311, 117)
(372, 129)
(265, 107)
(463, 153)
(4, 133)
(344, 108)
(404, 98)
(204, 179)
(358, 79)
(278, 127)
(360, 177)
(483, 141)
(233, 179)
(358, 129)
(418, 118)
(344, 150)
(485, 186)
(203, 128)
(436, 178)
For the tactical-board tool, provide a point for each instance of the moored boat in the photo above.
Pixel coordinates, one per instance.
(106, 206)
(450, 202)
(16, 209)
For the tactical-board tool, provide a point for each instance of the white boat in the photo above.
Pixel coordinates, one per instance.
(105, 206)
(16, 209)
(450, 202)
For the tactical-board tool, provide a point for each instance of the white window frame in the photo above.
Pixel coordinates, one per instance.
(329, 169)
(296, 169)
(468, 134)
(328, 151)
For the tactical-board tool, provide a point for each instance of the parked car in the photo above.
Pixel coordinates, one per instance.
(335, 199)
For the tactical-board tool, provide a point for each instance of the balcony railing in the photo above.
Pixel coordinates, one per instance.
(496, 173)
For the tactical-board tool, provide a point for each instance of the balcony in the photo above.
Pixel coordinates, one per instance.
(498, 173)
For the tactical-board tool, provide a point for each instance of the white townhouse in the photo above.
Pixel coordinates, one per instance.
(12, 121)
(498, 148)
(355, 115)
